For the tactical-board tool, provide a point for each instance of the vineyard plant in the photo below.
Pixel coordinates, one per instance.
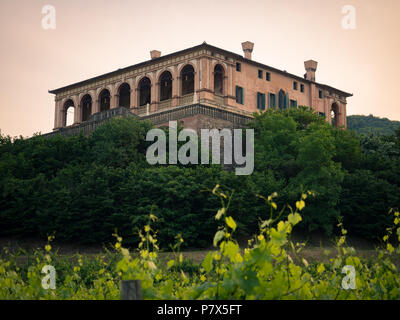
(270, 267)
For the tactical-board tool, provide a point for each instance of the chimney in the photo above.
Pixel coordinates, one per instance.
(311, 67)
(154, 54)
(247, 49)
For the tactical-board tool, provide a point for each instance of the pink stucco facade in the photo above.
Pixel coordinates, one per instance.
(202, 74)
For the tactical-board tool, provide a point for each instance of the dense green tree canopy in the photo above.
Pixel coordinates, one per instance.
(83, 188)
(370, 124)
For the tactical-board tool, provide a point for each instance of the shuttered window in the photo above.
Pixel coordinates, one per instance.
(260, 101)
(271, 101)
(239, 95)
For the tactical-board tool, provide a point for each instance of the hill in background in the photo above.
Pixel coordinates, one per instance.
(370, 124)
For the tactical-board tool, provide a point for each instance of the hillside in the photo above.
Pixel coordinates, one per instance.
(370, 124)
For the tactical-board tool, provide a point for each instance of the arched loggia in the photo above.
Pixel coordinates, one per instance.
(144, 91)
(69, 112)
(86, 104)
(335, 114)
(105, 98)
(218, 80)
(187, 80)
(165, 86)
(125, 96)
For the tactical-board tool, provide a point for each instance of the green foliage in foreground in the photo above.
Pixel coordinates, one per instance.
(267, 269)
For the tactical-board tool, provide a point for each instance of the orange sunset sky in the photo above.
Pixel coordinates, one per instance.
(93, 37)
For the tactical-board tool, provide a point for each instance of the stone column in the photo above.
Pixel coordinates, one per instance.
(133, 103)
(96, 105)
(57, 115)
(343, 115)
(77, 114)
(137, 100)
(114, 101)
(176, 83)
(156, 98)
(62, 117)
(196, 80)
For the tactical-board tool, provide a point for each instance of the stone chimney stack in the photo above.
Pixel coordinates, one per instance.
(247, 49)
(311, 67)
(154, 54)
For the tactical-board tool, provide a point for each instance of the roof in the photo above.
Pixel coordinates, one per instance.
(204, 45)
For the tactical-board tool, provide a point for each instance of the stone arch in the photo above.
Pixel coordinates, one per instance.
(183, 65)
(187, 79)
(69, 110)
(124, 94)
(144, 90)
(91, 93)
(86, 106)
(165, 81)
(105, 99)
(214, 63)
(335, 112)
(145, 75)
(219, 74)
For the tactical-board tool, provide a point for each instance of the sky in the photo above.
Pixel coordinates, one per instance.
(93, 37)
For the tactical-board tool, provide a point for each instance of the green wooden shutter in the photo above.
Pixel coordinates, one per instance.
(237, 94)
(263, 101)
(286, 101)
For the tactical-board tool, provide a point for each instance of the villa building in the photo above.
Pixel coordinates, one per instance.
(202, 87)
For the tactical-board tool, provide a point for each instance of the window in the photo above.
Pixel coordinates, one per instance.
(218, 79)
(187, 80)
(302, 87)
(166, 86)
(105, 98)
(293, 103)
(124, 96)
(267, 76)
(260, 74)
(238, 67)
(144, 91)
(320, 94)
(86, 104)
(294, 85)
(239, 95)
(272, 101)
(260, 101)
(283, 100)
